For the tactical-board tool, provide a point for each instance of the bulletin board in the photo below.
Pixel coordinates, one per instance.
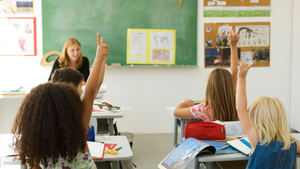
(254, 43)
(241, 3)
(237, 8)
(151, 46)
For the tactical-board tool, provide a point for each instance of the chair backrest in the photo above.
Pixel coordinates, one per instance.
(93, 122)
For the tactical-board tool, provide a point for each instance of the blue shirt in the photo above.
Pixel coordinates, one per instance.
(272, 156)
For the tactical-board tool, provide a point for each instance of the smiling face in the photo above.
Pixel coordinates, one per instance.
(74, 52)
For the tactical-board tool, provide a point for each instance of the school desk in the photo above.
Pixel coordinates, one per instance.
(123, 154)
(107, 115)
(209, 159)
(178, 122)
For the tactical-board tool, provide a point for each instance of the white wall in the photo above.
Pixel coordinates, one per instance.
(148, 90)
(295, 81)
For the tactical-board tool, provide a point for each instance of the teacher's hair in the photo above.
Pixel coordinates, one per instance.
(49, 125)
(67, 75)
(64, 60)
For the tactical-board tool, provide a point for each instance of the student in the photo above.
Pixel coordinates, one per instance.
(51, 124)
(69, 75)
(265, 125)
(72, 57)
(220, 92)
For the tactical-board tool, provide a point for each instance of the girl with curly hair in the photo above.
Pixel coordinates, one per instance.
(51, 124)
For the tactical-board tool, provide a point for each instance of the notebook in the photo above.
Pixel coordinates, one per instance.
(242, 145)
(96, 149)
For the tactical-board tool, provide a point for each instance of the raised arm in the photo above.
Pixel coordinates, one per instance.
(183, 109)
(233, 39)
(101, 73)
(241, 104)
(93, 80)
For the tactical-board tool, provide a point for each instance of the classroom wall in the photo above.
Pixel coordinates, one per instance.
(295, 80)
(149, 90)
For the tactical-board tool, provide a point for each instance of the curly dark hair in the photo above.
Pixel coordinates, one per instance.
(49, 124)
(67, 75)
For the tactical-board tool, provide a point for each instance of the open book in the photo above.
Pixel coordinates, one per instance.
(184, 153)
(242, 145)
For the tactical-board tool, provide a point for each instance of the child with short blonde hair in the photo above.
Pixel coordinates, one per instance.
(265, 125)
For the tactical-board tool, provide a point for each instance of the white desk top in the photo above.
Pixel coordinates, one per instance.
(170, 110)
(5, 140)
(12, 96)
(124, 154)
(221, 157)
(107, 114)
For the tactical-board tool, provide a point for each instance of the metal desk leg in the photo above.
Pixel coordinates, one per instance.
(111, 126)
(182, 123)
(197, 163)
(209, 165)
(115, 164)
(175, 132)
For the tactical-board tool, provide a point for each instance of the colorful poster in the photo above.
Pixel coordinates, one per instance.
(19, 7)
(151, 46)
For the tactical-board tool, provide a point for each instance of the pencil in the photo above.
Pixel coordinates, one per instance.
(224, 147)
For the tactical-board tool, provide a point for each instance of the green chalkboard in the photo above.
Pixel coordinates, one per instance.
(82, 19)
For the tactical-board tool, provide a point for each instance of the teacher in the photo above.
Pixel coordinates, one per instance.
(72, 57)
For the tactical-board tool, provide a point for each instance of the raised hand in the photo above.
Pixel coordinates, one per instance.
(243, 69)
(233, 38)
(102, 49)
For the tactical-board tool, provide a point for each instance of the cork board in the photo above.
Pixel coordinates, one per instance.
(240, 3)
(254, 43)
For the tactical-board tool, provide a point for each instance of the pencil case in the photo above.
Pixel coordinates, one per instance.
(205, 130)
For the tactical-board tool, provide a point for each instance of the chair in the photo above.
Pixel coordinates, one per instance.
(93, 122)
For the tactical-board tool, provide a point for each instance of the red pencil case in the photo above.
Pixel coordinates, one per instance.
(205, 131)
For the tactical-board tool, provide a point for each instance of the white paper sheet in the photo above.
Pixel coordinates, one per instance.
(246, 57)
(96, 149)
(138, 42)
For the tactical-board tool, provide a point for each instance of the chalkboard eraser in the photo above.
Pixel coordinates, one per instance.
(116, 64)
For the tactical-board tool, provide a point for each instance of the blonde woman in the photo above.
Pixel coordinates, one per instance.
(220, 92)
(72, 57)
(265, 125)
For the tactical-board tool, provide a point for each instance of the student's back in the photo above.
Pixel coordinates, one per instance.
(272, 156)
(265, 125)
(51, 125)
(220, 93)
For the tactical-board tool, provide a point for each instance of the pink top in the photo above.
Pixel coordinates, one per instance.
(202, 111)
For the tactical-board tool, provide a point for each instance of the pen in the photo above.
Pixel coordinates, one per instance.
(224, 147)
(117, 149)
